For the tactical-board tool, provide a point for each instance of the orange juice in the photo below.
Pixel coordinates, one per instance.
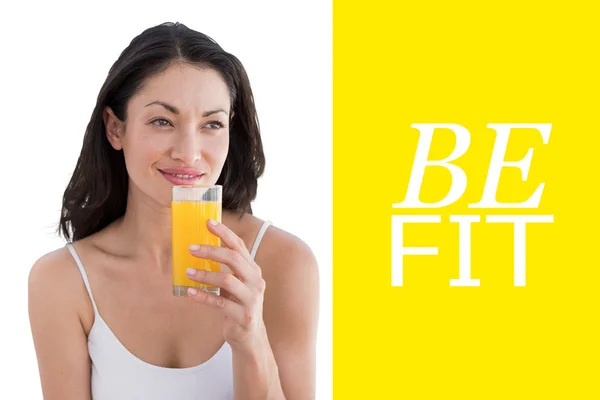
(189, 227)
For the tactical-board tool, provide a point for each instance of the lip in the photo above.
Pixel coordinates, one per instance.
(195, 174)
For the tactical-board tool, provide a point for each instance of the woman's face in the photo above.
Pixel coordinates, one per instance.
(177, 131)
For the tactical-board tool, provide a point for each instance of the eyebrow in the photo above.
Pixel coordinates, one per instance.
(175, 110)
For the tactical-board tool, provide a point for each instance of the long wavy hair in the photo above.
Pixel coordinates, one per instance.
(97, 192)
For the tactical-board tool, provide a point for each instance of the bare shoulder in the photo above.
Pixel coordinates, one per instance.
(280, 254)
(289, 268)
(277, 247)
(55, 281)
(291, 274)
(53, 269)
(281, 251)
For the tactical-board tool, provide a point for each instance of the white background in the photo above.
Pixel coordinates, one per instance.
(54, 59)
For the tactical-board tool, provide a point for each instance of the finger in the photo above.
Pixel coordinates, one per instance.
(229, 308)
(229, 238)
(223, 280)
(238, 264)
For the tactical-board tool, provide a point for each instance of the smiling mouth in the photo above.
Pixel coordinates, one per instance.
(182, 178)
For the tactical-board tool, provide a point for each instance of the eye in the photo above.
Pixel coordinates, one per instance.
(161, 122)
(215, 125)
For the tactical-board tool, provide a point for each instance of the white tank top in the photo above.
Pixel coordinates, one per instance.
(117, 374)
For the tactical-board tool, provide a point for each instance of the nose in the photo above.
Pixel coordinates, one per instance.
(186, 147)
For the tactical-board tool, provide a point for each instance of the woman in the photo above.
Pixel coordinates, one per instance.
(104, 321)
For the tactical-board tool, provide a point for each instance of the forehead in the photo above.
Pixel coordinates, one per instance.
(186, 87)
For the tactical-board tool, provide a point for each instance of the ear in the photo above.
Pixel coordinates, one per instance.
(114, 131)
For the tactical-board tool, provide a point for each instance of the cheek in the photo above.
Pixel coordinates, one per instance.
(216, 155)
(141, 153)
(218, 150)
(224, 148)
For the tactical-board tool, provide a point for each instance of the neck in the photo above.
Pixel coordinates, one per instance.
(146, 229)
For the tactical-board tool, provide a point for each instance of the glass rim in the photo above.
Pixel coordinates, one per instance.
(194, 186)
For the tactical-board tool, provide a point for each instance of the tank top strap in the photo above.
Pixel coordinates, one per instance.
(259, 237)
(83, 275)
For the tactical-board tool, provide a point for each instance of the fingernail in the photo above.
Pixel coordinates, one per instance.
(212, 222)
(192, 291)
(190, 271)
(194, 247)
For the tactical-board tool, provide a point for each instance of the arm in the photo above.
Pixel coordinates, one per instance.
(291, 314)
(284, 364)
(271, 320)
(58, 335)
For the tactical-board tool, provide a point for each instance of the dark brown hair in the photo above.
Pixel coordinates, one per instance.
(97, 192)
